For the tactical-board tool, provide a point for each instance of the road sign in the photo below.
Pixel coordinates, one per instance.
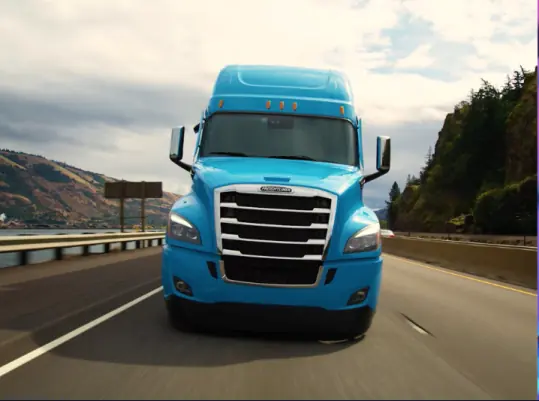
(133, 190)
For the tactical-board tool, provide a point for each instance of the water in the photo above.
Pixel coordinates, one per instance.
(11, 259)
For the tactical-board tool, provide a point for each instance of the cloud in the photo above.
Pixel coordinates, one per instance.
(475, 20)
(98, 84)
(419, 58)
(126, 136)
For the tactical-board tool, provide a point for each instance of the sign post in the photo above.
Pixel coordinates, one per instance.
(122, 215)
(142, 205)
(122, 208)
(133, 190)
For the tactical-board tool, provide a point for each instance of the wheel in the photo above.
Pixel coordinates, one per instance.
(341, 337)
(178, 318)
(359, 331)
(356, 332)
(355, 337)
(360, 328)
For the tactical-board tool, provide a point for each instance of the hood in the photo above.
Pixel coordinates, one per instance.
(221, 171)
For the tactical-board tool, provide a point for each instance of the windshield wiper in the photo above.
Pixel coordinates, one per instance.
(239, 154)
(298, 157)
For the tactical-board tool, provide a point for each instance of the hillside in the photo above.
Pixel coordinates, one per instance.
(35, 190)
(481, 176)
(381, 214)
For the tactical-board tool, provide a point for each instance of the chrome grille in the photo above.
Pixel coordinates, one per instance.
(266, 230)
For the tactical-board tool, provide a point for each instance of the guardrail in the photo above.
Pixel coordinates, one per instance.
(526, 240)
(508, 263)
(23, 245)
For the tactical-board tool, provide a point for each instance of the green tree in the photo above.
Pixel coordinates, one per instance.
(392, 205)
(408, 179)
(487, 144)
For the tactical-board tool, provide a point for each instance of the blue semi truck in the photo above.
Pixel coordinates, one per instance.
(274, 232)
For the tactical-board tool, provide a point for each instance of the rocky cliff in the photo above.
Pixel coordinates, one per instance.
(482, 175)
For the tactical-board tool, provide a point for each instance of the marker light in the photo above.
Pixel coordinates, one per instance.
(294, 106)
(268, 104)
(342, 110)
(281, 105)
(221, 103)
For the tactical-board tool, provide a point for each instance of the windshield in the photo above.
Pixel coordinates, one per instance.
(280, 136)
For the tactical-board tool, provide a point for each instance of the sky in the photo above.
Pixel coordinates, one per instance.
(98, 84)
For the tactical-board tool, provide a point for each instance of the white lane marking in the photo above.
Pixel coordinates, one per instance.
(417, 328)
(78, 311)
(17, 363)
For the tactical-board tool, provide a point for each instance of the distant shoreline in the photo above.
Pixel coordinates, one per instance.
(52, 227)
(58, 228)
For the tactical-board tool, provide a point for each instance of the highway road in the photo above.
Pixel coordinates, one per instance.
(471, 339)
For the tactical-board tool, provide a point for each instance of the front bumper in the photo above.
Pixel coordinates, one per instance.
(273, 318)
(192, 267)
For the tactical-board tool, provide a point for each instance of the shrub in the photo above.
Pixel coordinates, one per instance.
(508, 210)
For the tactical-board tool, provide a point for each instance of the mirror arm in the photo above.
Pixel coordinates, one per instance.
(185, 166)
(372, 177)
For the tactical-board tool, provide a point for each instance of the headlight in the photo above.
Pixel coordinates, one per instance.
(366, 239)
(182, 230)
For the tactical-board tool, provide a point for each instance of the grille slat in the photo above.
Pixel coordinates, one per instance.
(278, 218)
(308, 242)
(244, 216)
(276, 201)
(273, 249)
(235, 206)
(273, 233)
(235, 221)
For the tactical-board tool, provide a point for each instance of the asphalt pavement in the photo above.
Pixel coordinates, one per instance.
(436, 335)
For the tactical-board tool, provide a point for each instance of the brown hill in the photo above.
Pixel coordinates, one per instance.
(36, 190)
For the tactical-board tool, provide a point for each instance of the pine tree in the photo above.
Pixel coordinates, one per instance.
(428, 158)
(408, 180)
(394, 195)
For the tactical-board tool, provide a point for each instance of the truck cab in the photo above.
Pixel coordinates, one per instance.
(274, 232)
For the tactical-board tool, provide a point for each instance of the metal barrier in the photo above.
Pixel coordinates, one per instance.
(507, 263)
(23, 245)
(524, 240)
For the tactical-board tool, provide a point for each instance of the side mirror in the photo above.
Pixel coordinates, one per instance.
(176, 148)
(383, 153)
(176, 144)
(383, 159)
(196, 128)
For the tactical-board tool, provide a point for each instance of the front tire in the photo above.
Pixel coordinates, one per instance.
(354, 332)
(177, 317)
(361, 326)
